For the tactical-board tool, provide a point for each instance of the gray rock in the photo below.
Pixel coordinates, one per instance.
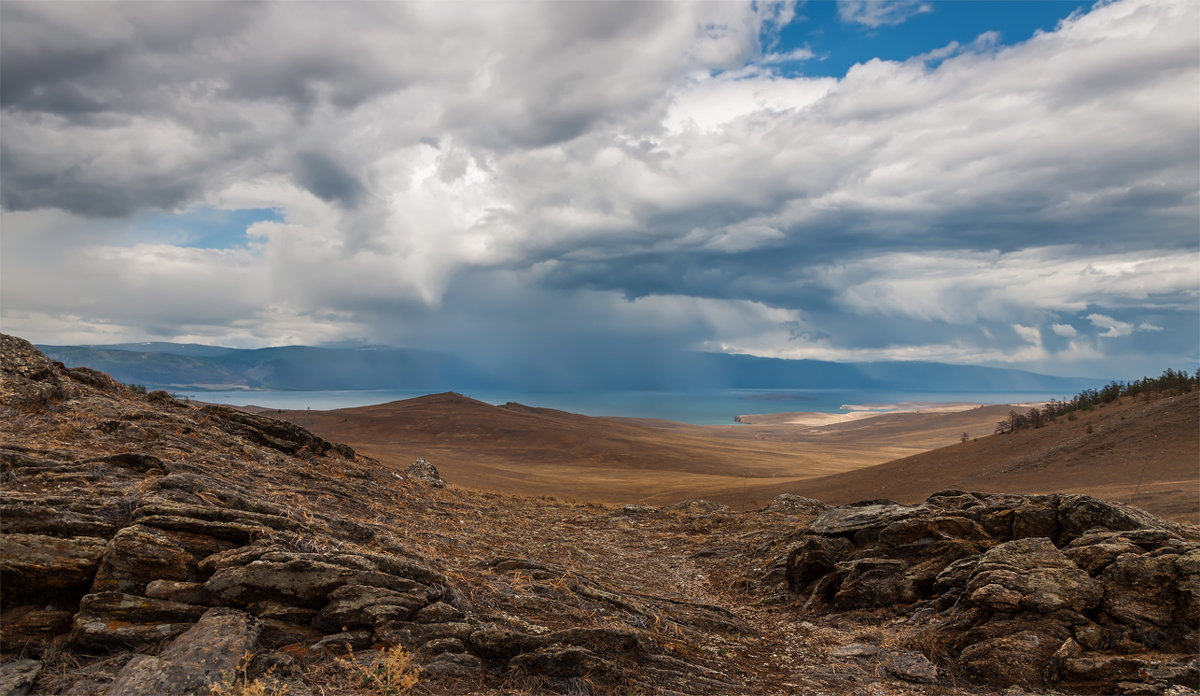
(341, 643)
(298, 581)
(206, 655)
(438, 612)
(1139, 589)
(870, 582)
(815, 557)
(184, 592)
(114, 619)
(422, 470)
(17, 676)
(1097, 549)
(847, 520)
(500, 642)
(561, 661)
(138, 555)
(361, 606)
(453, 665)
(30, 379)
(414, 635)
(1019, 658)
(269, 432)
(1031, 574)
(698, 507)
(441, 645)
(791, 504)
(1078, 514)
(910, 666)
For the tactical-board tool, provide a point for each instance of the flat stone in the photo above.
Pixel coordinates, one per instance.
(441, 645)
(910, 666)
(38, 567)
(341, 643)
(183, 592)
(205, 656)
(358, 606)
(17, 676)
(562, 662)
(453, 665)
(438, 612)
(847, 520)
(414, 635)
(854, 650)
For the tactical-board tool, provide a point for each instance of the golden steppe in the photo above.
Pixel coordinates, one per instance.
(1143, 452)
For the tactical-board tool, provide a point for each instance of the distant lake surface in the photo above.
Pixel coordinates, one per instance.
(699, 408)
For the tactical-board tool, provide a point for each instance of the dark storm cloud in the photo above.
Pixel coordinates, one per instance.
(327, 179)
(615, 169)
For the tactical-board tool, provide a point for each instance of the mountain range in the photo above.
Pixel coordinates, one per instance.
(174, 365)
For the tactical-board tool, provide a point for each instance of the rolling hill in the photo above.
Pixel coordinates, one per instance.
(1146, 452)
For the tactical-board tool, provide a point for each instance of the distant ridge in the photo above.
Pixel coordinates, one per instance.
(171, 365)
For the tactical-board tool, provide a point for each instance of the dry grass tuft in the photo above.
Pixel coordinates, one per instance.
(390, 673)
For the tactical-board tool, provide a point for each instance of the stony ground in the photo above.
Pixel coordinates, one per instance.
(136, 528)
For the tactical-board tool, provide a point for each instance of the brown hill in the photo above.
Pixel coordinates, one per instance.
(1145, 453)
(536, 451)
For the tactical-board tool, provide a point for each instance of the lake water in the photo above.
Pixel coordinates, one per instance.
(700, 408)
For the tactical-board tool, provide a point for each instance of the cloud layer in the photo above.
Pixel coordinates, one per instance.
(494, 175)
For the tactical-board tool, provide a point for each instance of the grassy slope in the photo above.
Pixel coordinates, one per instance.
(517, 449)
(1143, 453)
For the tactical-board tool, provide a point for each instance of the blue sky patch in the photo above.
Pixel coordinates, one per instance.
(837, 43)
(201, 227)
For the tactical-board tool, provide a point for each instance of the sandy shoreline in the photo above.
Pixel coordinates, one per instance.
(855, 412)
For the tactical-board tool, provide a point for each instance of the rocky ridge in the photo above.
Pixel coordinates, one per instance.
(153, 546)
(1032, 591)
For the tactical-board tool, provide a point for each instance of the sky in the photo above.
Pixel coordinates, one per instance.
(1009, 183)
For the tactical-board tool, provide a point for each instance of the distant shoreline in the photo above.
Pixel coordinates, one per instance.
(855, 412)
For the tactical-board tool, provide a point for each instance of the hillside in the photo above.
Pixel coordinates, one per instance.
(520, 449)
(903, 456)
(1145, 453)
(150, 546)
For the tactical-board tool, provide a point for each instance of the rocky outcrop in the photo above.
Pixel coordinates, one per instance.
(207, 655)
(272, 432)
(1021, 590)
(791, 504)
(422, 470)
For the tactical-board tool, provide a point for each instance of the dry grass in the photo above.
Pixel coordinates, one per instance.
(389, 672)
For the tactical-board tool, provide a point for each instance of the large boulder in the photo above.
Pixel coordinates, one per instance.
(1025, 591)
(1030, 574)
(200, 660)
